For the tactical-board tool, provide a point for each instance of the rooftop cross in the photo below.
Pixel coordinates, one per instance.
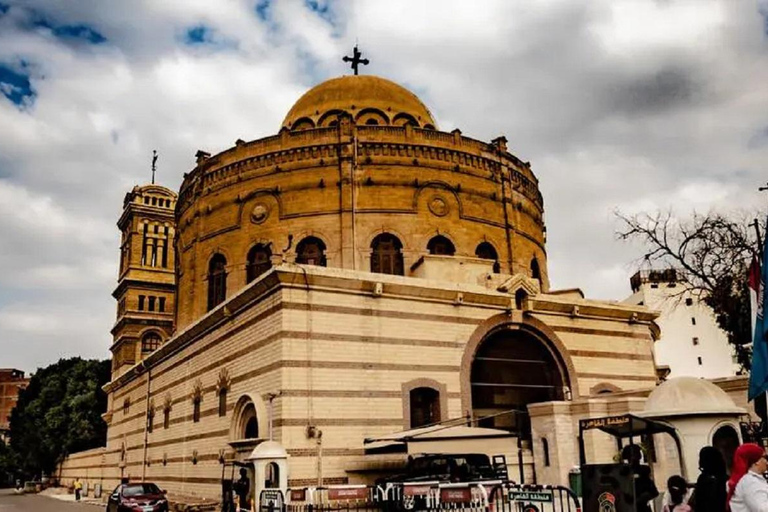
(355, 59)
(154, 165)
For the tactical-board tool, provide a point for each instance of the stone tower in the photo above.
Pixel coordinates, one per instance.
(146, 289)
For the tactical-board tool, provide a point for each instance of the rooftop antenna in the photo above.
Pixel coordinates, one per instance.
(154, 164)
(355, 59)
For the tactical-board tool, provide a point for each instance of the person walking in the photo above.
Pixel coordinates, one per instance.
(710, 492)
(645, 488)
(747, 488)
(78, 488)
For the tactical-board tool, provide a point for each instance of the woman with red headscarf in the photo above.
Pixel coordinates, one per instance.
(747, 488)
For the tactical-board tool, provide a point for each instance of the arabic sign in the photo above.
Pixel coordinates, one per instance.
(416, 490)
(610, 421)
(460, 495)
(541, 496)
(355, 493)
(298, 495)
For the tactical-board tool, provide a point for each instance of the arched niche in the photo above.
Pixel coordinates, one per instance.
(249, 414)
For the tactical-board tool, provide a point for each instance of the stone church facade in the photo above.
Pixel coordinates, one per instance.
(357, 274)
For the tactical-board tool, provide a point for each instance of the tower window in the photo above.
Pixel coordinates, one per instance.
(164, 247)
(441, 246)
(152, 303)
(545, 449)
(387, 255)
(695, 341)
(258, 262)
(217, 281)
(311, 251)
(161, 304)
(693, 320)
(689, 301)
(142, 298)
(144, 244)
(699, 358)
(167, 417)
(150, 342)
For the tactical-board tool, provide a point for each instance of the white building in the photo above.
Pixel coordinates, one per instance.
(691, 343)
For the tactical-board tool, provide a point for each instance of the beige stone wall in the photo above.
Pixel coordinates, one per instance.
(340, 357)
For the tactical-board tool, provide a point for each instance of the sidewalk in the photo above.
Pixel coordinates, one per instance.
(71, 497)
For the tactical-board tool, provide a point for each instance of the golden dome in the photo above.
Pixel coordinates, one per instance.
(369, 99)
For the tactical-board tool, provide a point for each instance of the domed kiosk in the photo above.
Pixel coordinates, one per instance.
(270, 468)
(701, 413)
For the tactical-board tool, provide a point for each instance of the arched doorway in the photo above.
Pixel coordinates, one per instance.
(511, 369)
(726, 440)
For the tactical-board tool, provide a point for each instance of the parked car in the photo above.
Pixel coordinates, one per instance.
(137, 497)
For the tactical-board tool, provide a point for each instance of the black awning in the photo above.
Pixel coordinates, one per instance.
(625, 425)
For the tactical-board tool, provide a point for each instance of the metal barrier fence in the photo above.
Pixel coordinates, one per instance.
(486, 496)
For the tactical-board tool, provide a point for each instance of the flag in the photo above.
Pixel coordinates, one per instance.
(758, 377)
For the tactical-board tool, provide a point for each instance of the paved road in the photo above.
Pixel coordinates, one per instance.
(31, 503)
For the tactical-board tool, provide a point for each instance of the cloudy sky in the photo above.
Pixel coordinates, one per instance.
(637, 105)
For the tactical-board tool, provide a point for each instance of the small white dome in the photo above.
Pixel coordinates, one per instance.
(268, 450)
(689, 396)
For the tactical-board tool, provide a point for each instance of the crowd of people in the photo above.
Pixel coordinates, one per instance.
(746, 490)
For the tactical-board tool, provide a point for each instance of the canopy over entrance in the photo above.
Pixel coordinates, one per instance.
(442, 439)
(626, 426)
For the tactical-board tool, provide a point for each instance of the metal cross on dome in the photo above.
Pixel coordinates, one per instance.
(355, 59)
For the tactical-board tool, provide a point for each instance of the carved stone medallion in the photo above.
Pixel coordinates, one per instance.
(438, 206)
(259, 213)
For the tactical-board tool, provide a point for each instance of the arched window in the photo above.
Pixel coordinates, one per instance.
(311, 251)
(222, 402)
(167, 416)
(535, 270)
(272, 476)
(387, 255)
(150, 342)
(425, 407)
(487, 251)
(511, 369)
(441, 246)
(196, 408)
(217, 280)
(258, 262)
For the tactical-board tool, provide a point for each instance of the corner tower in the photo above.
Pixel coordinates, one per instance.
(146, 290)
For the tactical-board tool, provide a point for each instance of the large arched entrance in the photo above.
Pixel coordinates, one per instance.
(511, 369)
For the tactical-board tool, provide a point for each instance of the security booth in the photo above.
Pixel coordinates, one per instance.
(615, 487)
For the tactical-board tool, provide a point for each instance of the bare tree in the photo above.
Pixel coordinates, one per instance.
(713, 252)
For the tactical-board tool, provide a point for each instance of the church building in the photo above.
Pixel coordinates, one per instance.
(357, 274)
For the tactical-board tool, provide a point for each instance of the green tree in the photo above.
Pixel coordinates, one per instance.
(713, 252)
(59, 413)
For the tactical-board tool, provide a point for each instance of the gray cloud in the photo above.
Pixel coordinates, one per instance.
(627, 104)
